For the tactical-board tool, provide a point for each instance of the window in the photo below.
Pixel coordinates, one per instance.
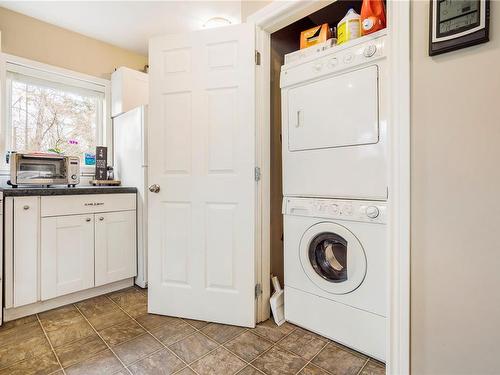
(51, 112)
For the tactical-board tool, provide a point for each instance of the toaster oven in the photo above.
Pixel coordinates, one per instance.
(43, 169)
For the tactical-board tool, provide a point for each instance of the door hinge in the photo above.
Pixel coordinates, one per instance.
(257, 58)
(257, 174)
(258, 290)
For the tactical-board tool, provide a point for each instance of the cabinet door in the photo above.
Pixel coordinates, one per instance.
(115, 246)
(25, 239)
(67, 254)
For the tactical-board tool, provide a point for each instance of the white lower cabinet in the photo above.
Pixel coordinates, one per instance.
(26, 217)
(58, 245)
(67, 255)
(115, 246)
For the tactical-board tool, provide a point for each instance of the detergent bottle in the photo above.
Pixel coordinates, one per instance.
(349, 27)
(372, 16)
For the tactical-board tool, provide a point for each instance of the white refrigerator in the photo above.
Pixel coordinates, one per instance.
(131, 167)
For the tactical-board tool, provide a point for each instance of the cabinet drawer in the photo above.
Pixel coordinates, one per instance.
(86, 204)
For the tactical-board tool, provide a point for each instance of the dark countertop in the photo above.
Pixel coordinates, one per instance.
(9, 191)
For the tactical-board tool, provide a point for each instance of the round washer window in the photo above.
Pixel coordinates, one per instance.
(328, 256)
(332, 257)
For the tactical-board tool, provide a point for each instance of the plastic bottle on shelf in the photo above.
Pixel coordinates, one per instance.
(349, 27)
(372, 16)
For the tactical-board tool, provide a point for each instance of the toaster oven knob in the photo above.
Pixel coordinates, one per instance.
(73, 176)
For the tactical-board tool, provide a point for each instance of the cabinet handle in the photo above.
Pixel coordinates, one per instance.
(101, 218)
(26, 207)
(88, 219)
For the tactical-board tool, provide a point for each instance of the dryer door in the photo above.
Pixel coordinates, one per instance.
(338, 111)
(333, 258)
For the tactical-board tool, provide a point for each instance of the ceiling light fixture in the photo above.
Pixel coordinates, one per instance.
(216, 22)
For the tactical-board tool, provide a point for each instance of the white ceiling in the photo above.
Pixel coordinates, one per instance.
(127, 24)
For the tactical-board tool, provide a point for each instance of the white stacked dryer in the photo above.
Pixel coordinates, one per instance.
(334, 131)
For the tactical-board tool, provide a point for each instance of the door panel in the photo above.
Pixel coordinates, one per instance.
(175, 258)
(202, 154)
(334, 112)
(115, 247)
(67, 254)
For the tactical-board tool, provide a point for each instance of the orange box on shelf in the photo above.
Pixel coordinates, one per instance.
(315, 35)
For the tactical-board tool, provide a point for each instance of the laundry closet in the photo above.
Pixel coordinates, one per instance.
(329, 180)
(328, 177)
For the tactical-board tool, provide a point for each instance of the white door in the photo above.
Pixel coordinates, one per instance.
(115, 247)
(335, 112)
(67, 254)
(202, 157)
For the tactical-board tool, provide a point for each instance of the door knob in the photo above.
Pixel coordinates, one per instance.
(101, 218)
(155, 188)
(88, 219)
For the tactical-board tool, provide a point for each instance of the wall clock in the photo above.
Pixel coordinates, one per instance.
(456, 24)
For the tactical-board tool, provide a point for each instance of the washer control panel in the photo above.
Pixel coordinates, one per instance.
(339, 209)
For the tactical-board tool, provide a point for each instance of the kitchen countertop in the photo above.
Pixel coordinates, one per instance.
(9, 191)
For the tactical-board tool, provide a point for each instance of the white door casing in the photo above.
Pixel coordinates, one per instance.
(202, 156)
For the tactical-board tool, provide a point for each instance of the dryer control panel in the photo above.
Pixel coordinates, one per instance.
(338, 209)
(334, 60)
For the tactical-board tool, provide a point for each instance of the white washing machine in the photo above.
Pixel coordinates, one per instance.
(334, 122)
(336, 257)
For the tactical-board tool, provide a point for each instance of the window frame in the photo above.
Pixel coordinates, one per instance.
(19, 65)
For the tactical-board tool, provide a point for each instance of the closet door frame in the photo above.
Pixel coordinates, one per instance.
(274, 17)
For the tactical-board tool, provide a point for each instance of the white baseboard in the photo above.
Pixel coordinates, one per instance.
(37, 307)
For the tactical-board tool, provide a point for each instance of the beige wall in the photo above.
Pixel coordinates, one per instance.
(251, 6)
(455, 206)
(33, 39)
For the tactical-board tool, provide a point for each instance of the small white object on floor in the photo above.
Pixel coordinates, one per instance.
(277, 302)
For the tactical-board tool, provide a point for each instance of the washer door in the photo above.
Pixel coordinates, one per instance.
(333, 258)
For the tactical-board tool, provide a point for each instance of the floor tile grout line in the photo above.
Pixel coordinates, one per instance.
(207, 353)
(25, 359)
(196, 330)
(224, 347)
(363, 367)
(50, 343)
(69, 342)
(275, 344)
(159, 341)
(105, 343)
(250, 365)
(247, 363)
(313, 357)
(220, 345)
(147, 355)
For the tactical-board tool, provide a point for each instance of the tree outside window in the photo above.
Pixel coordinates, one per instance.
(53, 118)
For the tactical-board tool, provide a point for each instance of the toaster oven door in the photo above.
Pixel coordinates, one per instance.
(41, 170)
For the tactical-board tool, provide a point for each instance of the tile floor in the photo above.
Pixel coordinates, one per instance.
(114, 334)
